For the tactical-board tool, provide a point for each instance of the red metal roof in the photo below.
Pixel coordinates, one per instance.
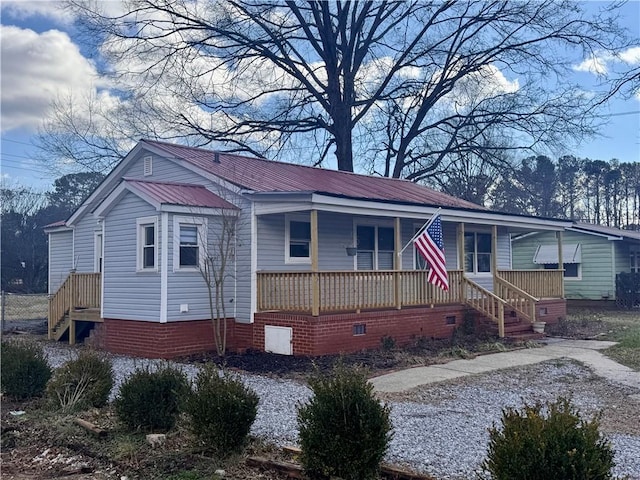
(184, 194)
(261, 175)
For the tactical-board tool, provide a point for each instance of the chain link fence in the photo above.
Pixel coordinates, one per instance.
(24, 312)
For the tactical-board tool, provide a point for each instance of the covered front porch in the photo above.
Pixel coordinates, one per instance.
(478, 279)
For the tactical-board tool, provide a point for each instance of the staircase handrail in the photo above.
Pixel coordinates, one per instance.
(488, 304)
(60, 304)
(525, 299)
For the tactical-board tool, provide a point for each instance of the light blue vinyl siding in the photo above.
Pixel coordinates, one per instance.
(128, 295)
(335, 233)
(163, 171)
(243, 299)
(189, 286)
(60, 258)
(84, 243)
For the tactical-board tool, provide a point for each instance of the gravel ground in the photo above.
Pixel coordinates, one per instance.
(442, 429)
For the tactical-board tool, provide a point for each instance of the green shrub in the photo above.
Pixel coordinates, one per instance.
(388, 343)
(344, 429)
(548, 441)
(151, 399)
(221, 409)
(81, 383)
(25, 370)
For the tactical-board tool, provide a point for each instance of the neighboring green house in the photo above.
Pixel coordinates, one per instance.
(592, 256)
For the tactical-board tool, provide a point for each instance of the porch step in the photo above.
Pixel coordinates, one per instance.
(514, 327)
(61, 327)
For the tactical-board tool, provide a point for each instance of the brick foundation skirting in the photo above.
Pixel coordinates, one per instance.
(322, 335)
(352, 332)
(168, 340)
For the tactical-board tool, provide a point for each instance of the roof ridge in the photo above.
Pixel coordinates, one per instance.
(268, 160)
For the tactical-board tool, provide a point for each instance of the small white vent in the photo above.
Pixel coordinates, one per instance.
(148, 166)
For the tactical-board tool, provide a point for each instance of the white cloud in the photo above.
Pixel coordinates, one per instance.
(594, 64)
(601, 63)
(36, 68)
(631, 56)
(25, 9)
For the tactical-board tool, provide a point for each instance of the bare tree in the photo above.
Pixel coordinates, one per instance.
(422, 80)
(216, 268)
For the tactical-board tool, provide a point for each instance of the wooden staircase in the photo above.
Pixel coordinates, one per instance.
(508, 312)
(77, 300)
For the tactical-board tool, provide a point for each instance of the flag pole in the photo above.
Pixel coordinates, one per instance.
(426, 225)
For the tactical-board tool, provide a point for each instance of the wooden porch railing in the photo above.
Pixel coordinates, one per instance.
(537, 283)
(79, 290)
(352, 290)
(360, 290)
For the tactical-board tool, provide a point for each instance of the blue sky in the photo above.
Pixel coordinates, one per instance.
(41, 59)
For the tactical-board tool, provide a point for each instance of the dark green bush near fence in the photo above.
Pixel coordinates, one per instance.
(344, 429)
(548, 441)
(83, 382)
(221, 410)
(628, 290)
(152, 398)
(25, 371)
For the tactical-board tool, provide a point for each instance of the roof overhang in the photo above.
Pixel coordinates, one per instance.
(57, 229)
(595, 234)
(283, 202)
(121, 190)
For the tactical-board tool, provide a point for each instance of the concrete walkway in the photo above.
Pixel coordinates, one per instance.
(584, 351)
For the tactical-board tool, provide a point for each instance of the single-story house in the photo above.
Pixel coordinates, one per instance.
(316, 264)
(592, 256)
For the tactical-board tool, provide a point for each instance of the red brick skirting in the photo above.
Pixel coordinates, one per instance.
(168, 340)
(322, 335)
(336, 333)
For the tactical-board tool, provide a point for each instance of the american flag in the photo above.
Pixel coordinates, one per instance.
(429, 244)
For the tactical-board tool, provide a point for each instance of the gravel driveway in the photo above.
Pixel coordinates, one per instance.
(441, 429)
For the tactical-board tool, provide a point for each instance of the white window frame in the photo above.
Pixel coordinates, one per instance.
(141, 223)
(98, 251)
(475, 254)
(201, 224)
(376, 250)
(288, 259)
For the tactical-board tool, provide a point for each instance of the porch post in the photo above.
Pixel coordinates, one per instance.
(315, 281)
(397, 264)
(494, 255)
(560, 262)
(461, 258)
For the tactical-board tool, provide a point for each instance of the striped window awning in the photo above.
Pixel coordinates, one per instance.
(545, 254)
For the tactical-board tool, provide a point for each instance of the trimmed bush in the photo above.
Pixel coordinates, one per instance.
(221, 409)
(81, 383)
(151, 399)
(344, 429)
(548, 441)
(25, 371)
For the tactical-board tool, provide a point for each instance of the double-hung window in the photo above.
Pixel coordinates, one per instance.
(147, 255)
(189, 240)
(477, 252)
(298, 240)
(376, 247)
